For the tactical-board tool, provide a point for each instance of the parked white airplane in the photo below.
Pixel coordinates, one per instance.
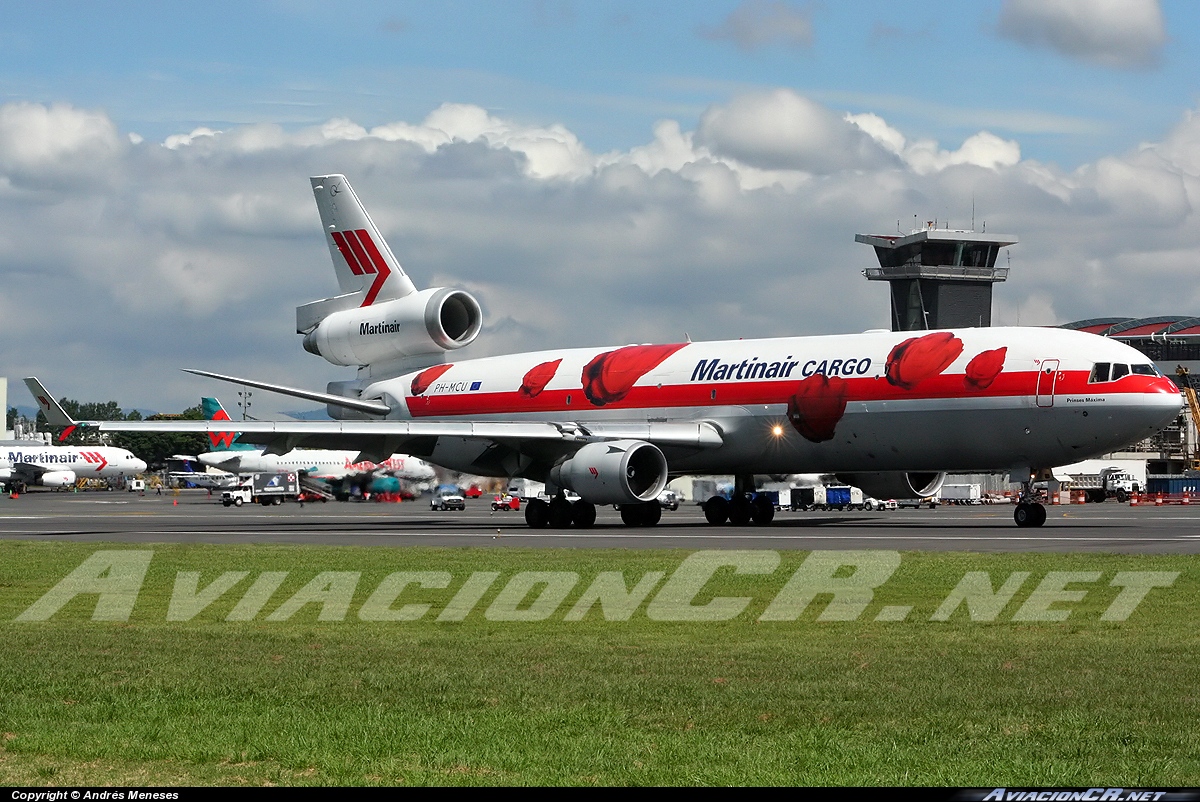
(889, 412)
(25, 463)
(340, 469)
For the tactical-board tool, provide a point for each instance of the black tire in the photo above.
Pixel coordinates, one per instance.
(651, 513)
(1039, 514)
(537, 514)
(739, 511)
(226, 502)
(237, 502)
(559, 513)
(1022, 515)
(583, 514)
(631, 514)
(762, 511)
(716, 510)
(1122, 496)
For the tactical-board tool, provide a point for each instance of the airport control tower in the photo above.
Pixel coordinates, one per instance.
(939, 278)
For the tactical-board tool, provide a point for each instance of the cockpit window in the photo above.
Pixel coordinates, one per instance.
(1145, 370)
(1119, 370)
(1099, 373)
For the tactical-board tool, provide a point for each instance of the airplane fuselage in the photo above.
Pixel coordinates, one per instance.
(961, 400)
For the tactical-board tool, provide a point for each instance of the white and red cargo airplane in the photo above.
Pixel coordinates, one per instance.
(890, 412)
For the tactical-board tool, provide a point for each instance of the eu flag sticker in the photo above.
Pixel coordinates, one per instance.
(475, 385)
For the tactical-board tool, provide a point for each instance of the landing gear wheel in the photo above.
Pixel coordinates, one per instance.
(559, 513)
(739, 511)
(537, 514)
(762, 511)
(644, 514)
(1029, 514)
(716, 510)
(583, 514)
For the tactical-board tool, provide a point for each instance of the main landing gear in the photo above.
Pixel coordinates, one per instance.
(742, 507)
(559, 513)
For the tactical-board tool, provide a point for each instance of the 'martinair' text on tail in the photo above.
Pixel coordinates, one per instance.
(221, 441)
(380, 323)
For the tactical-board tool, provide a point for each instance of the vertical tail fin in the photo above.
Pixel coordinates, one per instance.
(362, 259)
(221, 441)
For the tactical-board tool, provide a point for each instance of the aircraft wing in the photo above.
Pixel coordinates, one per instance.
(380, 439)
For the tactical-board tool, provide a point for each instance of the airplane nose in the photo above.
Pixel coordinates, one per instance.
(1163, 401)
(139, 466)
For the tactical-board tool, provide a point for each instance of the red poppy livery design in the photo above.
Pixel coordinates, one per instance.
(983, 369)
(817, 406)
(536, 379)
(918, 358)
(610, 376)
(427, 377)
(890, 412)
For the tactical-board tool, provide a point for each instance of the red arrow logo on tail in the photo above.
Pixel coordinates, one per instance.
(381, 270)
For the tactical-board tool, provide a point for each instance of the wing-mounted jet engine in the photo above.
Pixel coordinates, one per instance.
(380, 319)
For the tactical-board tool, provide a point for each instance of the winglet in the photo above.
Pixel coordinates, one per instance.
(55, 414)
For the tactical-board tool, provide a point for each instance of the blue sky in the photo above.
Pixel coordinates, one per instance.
(595, 173)
(607, 71)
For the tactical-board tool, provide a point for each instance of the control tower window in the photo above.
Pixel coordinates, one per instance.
(1119, 370)
(1099, 373)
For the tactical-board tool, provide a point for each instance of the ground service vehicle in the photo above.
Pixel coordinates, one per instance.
(448, 500)
(823, 497)
(506, 502)
(1109, 483)
(961, 494)
(890, 412)
(263, 488)
(916, 503)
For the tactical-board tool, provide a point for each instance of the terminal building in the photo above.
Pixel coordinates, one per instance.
(943, 278)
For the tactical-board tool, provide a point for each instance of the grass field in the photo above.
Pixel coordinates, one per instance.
(309, 693)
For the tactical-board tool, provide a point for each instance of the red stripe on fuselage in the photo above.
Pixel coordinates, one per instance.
(347, 254)
(700, 394)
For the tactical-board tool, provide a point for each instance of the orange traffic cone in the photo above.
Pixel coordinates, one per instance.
(175, 502)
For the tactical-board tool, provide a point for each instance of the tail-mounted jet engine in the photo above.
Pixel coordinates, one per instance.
(616, 472)
(427, 322)
(895, 484)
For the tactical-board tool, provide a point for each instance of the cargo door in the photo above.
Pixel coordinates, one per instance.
(1047, 379)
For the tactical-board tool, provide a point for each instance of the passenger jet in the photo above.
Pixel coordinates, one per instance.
(889, 412)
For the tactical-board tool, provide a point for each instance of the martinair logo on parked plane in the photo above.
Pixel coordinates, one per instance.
(50, 458)
(753, 368)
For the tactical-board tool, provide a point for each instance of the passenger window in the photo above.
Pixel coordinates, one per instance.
(1145, 370)
(1119, 370)
(1099, 373)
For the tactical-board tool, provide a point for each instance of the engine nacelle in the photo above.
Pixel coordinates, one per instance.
(425, 322)
(616, 472)
(895, 484)
(57, 479)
